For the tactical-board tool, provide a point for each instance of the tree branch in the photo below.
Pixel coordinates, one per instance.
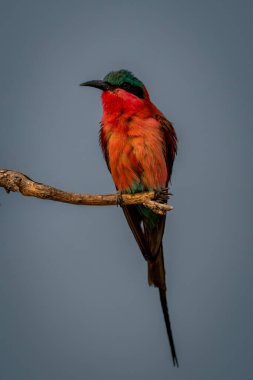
(14, 181)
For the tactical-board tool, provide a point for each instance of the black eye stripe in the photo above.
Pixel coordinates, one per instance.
(133, 89)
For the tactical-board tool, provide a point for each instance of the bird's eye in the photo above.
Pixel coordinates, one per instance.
(125, 85)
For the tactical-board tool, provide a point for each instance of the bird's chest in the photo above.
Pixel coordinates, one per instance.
(124, 161)
(134, 150)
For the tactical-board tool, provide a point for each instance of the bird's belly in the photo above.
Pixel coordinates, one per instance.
(137, 162)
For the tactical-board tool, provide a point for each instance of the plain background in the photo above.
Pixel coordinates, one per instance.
(74, 298)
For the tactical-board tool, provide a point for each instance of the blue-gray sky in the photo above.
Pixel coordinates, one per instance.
(74, 298)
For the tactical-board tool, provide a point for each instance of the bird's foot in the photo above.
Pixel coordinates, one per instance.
(162, 195)
(119, 199)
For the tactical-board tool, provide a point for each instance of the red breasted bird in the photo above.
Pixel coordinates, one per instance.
(139, 145)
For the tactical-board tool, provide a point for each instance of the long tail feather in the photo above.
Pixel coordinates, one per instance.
(150, 243)
(156, 277)
(164, 304)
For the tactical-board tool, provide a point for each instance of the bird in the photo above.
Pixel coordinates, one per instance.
(139, 146)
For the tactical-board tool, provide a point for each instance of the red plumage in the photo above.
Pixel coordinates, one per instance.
(139, 144)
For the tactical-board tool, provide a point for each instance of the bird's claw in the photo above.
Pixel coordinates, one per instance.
(162, 195)
(119, 199)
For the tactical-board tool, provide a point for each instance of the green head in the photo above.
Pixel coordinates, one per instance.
(119, 79)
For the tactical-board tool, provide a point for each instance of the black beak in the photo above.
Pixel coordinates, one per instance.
(104, 86)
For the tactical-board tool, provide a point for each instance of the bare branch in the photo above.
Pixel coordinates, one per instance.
(14, 181)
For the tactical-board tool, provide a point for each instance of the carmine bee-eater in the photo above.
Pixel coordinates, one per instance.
(139, 145)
